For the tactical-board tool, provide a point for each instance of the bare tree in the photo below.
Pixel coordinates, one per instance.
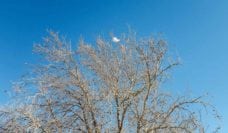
(112, 86)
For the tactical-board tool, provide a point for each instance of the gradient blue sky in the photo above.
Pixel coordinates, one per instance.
(197, 30)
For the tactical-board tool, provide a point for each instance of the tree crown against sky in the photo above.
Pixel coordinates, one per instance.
(112, 86)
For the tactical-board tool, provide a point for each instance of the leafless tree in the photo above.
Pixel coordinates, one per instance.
(105, 87)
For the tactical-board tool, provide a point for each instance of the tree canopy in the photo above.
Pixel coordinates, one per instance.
(109, 86)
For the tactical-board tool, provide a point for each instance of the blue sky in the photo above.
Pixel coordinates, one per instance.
(197, 31)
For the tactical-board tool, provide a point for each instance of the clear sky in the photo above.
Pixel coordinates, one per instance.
(197, 30)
